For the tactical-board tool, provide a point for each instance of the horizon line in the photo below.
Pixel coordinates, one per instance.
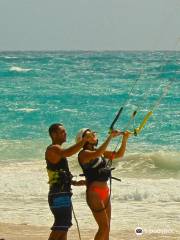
(93, 50)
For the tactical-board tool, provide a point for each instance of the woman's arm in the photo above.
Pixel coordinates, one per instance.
(120, 153)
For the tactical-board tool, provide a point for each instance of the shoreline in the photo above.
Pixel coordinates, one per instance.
(10, 231)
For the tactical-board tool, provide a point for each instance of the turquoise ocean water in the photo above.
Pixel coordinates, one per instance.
(86, 89)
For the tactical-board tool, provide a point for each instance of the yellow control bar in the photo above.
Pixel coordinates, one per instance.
(137, 130)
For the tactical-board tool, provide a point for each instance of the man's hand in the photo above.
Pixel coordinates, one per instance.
(79, 183)
(89, 136)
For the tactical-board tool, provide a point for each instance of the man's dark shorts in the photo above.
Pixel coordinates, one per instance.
(61, 207)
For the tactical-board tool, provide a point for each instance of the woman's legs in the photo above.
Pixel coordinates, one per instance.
(103, 224)
(109, 214)
(101, 210)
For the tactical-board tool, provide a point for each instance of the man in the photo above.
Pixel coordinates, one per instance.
(60, 180)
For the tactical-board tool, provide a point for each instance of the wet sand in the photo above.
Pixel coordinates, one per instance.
(24, 232)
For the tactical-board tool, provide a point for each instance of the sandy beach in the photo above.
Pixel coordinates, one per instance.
(24, 232)
(97, 65)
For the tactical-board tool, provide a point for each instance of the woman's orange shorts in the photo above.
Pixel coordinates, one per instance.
(103, 192)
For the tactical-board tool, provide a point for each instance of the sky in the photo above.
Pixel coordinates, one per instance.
(89, 25)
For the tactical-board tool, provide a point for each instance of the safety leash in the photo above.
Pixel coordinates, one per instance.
(77, 224)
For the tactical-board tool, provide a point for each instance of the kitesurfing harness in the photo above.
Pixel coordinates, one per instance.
(100, 170)
(59, 175)
(96, 170)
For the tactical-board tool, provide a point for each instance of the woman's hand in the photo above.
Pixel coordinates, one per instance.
(115, 133)
(126, 134)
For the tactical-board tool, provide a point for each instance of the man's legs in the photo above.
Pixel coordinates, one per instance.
(61, 207)
(58, 235)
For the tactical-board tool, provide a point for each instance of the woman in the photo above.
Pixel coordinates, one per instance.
(94, 163)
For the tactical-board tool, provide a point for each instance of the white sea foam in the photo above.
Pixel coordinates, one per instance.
(10, 57)
(24, 185)
(70, 110)
(19, 69)
(27, 109)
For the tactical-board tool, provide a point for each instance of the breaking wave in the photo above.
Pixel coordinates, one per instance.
(19, 69)
(160, 164)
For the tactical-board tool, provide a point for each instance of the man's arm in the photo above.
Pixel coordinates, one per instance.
(79, 183)
(56, 152)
